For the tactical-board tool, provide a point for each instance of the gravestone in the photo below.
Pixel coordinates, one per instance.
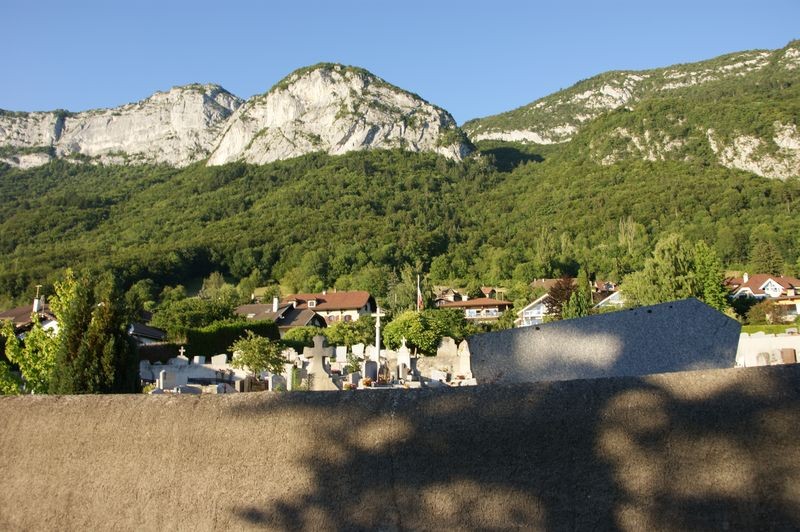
(447, 348)
(319, 379)
(371, 353)
(438, 375)
(276, 382)
(358, 350)
(762, 359)
(404, 355)
(288, 376)
(789, 355)
(371, 370)
(341, 353)
(402, 372)
(219, 361)
(391, 366)
(199, 360)
(775, 358)
(464, 368)
(678, 336)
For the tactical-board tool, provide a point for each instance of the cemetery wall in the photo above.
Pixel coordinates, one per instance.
(706, 450)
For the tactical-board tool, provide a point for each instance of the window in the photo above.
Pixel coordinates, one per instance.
(312, 303)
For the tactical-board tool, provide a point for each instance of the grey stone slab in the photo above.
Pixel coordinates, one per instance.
(677, 336)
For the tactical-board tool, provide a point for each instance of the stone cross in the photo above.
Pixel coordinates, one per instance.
(320, 379)
(378, 314)
(182, 351)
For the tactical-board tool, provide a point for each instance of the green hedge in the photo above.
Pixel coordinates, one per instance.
(216, 338)
(160, 352)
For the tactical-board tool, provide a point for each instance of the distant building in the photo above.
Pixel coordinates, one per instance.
(23, 317)
(285, 315)
(335, 306)
(783, 290)
(480, 309)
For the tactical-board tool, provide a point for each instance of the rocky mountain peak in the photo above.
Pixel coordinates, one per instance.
(336, 109)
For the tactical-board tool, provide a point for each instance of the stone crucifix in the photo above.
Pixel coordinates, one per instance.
(378, 314)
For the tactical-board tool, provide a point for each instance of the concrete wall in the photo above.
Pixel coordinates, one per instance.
(677, 336)
(712, 450)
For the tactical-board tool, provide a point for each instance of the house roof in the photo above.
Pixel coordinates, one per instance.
(145, 331)
(756, 282)
(480, 302)
(21, 316)
(328, 301)
(547, 284)
(286, 317)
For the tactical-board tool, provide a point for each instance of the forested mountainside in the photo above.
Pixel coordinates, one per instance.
(739, 110)
(318, 221)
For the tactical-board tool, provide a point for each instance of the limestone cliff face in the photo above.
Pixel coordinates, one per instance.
(335, 109)
(177, 127)
(329, 108)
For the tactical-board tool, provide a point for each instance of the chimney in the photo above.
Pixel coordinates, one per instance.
(274, 304)
(745, 278)
(37, 305)
(325, 292)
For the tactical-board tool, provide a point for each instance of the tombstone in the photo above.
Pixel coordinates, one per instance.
(789, 355)
(219, 361)
(199, 360)
(354, 377)
(166, 380)
(775, 358)
(341, 354)
(391, 365)
(288, 376)
(684, 335)
(447, 348)
(276, 382)
(319, 379)
(146, 371)
(404, 355)
(371, 353)
(464, 368)
(384, 374)
(371, 370)
(762, 359)
(402, 372)
(358, 350)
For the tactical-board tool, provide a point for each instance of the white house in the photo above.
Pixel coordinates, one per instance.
(533, 314)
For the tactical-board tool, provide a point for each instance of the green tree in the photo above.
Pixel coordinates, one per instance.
(580, 300)
(360, 331)
(668, 275)
(9, 383)
(559, 296)
(710, 277)
(94, 353)
(257, 354)
(424, 330)
(35, 356)
(765, 257)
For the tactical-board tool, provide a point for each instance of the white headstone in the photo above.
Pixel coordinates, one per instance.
(341, 353)
(199, 360)
(358, 350)
(219, 360)
(464, 368)
(404, 355)
(371, 353)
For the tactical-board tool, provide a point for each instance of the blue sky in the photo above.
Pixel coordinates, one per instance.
(472, 58)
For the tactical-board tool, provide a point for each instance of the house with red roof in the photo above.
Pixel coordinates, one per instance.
(783, 290)
(335, 306)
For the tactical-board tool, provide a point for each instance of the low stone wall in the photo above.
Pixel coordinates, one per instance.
(708, 450)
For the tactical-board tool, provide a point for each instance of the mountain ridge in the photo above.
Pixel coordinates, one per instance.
(193, 122)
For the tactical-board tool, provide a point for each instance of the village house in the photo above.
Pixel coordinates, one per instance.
(23, 317)
(482, 309)
(533, 313)
(285, 315)
(335, 306)
(783, 290)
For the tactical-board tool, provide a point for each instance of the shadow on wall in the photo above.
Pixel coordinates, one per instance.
(710, 450)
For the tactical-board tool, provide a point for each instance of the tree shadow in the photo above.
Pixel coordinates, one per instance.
(708, 450)
(507, 158)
